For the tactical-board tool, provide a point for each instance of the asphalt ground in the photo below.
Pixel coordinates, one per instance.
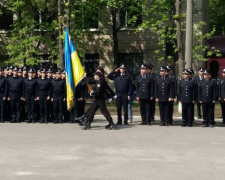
(65, 152)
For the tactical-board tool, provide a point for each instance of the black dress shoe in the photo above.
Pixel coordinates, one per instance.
(81, 118)
(143, 123)
(107, 126)
(119, 123)
(206, 125)
(125, 123)
(190, 125)
(148, 123)
(183, 125)
(29, 121)
(86, 127)
(111, 127)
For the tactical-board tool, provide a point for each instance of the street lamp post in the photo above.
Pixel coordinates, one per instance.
(189, 34)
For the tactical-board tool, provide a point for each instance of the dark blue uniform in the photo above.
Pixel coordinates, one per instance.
(79, 101)
(3, 93)
(197, 80)
(171, 103)
(58, 91)
(164, 91)
(222, 97)
(144, 91)
(30, 93)
(15, 93)
(43, 92)
(207, 94)
(123, 87)
(187, 96)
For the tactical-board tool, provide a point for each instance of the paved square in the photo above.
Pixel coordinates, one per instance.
(65, 152)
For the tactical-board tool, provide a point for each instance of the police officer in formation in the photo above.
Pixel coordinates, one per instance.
(207, 97)
(30, 95)
(198, 79)
(145, 93)
(164, 93)
(3, 95)
(58, 95)
(14, 94)
(222, 94)
(187, 98)
(43, 95)
(18, 86)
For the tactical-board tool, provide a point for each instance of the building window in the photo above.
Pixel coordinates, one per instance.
(91, 62)
(133, 62)
(6, 18)
(130, 15)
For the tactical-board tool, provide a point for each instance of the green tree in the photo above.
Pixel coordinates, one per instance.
(217, 16)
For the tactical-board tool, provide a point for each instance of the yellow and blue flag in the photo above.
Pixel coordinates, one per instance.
(74, 70)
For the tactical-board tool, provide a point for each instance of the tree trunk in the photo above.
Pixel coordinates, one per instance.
(115, 37)
(181, 62)
(61, 59)
(68, 15)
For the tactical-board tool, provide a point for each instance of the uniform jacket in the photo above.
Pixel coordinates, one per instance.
(144, 87)
(14, 87)
(29, 87)
(186, 91)
(222, 88)
(163, 88)
(197, 81)
(43, 90)
(99, 89)
(207, 91)
(3, 86)
(81, 90)
(58, 89)
(123, 83)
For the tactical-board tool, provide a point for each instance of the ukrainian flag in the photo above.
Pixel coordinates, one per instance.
(74, 70)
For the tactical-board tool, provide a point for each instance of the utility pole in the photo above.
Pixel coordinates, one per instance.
(189, 34)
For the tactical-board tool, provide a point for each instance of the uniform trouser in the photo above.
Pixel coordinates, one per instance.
(98, 103)
(58, 110)
(187, 115)
(50, 109)
(199, 108)
(37, 110)
(193, 111)
(152, 109)
(122, 101)
(1, 109)
(43, 109)
(170, 111)
(144, 109)
(15, 109)
(23, 110)
(208, 109)
(78, 109)
(7, 110)
(223, 110)
(163, 108)
(66, 113)
(30, 108)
